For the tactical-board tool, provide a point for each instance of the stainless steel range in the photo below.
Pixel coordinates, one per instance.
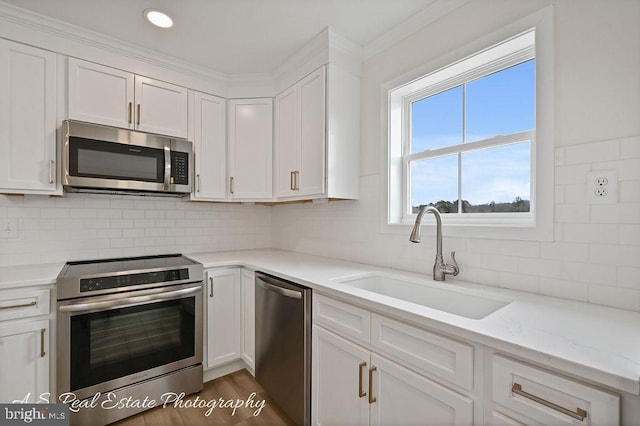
(128, 328)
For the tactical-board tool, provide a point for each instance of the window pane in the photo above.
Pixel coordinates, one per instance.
(497, 179)
(501, 103)
(436, 121)
(435, 181)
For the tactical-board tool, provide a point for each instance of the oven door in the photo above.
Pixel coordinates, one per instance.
(108, 342)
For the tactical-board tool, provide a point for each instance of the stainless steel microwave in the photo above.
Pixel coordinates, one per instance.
(107, 159)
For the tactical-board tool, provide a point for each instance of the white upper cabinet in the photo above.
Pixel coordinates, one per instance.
(160, 107)
(250, 149)
(112, 97)
(300, 137)
(317, 136)
(28, 117)
(210, 146)
(99, 94)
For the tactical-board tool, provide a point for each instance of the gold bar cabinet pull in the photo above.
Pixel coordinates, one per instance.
(579, 414)
(372, 398)
(52, 171)
(22, 305)
(42, 352)
(130, 112)
(231, 184)
(361, 367)
(138, 115)
(291, 179)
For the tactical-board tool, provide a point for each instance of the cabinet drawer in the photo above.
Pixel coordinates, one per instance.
(547, 398)
(429, 352)
(342, 318)
(16, 304)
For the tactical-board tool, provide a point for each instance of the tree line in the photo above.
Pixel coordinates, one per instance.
(517, 205)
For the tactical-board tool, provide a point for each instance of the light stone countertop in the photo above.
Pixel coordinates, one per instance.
(597, 343)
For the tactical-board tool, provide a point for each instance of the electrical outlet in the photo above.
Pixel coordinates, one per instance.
(602, 187)
(9, 228)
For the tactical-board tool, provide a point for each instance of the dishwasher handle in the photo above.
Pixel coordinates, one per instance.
(272, 285)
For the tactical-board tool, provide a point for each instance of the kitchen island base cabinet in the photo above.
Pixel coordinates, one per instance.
(223, 323)
(24, 369)
(354, 386)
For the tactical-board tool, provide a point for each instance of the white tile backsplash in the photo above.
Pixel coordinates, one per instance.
(595, 255)
(83, 226)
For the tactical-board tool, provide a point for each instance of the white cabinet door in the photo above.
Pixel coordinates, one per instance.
(223, 316)
(248, 317)
(403, 397)
(300, 137)
(104, 95)
(339, 380)
(286, 145)
(210, 148)
(99, 94)
(549, 398)
(161, 107)
(24, 351)
(28, 117)
(250, 148)
(311, 175)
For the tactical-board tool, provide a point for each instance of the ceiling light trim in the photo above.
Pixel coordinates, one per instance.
(158, 18)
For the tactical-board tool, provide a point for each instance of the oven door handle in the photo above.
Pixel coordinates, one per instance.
(127, 301)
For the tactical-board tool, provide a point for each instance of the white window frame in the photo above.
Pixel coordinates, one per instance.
(502, 49)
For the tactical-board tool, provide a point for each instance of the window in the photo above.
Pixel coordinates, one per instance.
(463, 138)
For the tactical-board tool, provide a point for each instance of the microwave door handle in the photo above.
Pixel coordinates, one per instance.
(167, 166)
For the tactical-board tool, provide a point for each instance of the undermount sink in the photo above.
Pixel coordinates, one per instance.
(425, 294)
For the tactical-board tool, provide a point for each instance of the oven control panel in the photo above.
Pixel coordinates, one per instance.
(129, 280)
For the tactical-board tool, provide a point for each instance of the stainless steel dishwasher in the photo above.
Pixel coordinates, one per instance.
(283, 344)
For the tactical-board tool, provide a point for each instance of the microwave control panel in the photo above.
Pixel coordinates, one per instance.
(179, 168)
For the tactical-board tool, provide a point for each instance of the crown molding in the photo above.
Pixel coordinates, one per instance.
(45, 32)
(327, 46)
(433, 12)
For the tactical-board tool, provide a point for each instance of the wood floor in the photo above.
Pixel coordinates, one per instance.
(235, 386)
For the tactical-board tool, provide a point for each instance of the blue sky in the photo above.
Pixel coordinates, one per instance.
(497, 104)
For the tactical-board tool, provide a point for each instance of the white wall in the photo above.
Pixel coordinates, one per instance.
(85, 226)
(595, 255)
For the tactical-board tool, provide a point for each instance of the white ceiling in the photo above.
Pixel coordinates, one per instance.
(232, 36)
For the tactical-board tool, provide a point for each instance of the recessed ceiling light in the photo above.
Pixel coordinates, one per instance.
(157, 18)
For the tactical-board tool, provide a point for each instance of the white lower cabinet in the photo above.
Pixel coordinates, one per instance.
(403, 397)
(523, 394)
(24, 345)
(223, 316)
(338, 377)
(381, 377)
(24, 351)
(248, 317)
(354, 386)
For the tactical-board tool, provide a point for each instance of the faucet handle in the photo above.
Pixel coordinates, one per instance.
(455, 269)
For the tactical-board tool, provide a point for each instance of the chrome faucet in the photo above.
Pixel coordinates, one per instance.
(440, 269)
